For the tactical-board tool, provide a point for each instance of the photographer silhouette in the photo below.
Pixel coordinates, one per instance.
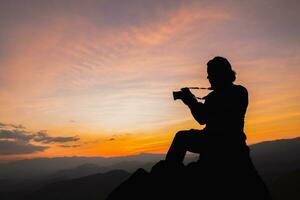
(223, 114)
(224, 164)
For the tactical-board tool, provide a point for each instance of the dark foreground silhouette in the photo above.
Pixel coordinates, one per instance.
(224, 169)
(193, 180)
(278, 162)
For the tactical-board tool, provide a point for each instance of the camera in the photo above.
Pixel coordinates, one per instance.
(182, 93)
(186, 91)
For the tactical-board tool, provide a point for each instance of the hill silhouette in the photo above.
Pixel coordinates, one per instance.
(197, 179)
(37, 168)
(95, 186)
(277, 161)
(287, 186)
(275, 158)
(77, 172)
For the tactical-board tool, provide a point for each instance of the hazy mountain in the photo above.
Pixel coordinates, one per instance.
(275, 158)
(45, 166)
(96, 186)
(77, 172)
(277, 162)
(41, 167)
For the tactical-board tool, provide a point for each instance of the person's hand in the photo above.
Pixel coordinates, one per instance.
(188, 97)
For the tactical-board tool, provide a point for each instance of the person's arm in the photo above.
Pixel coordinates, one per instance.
(198, 109)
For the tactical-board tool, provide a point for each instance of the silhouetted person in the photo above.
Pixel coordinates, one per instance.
(223, 113)
(224, 155)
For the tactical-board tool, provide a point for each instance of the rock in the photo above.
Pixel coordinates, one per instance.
(196, 180)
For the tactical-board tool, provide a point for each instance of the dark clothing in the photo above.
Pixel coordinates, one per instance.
(223, 112)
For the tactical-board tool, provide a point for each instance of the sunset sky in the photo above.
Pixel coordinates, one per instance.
(95, 77)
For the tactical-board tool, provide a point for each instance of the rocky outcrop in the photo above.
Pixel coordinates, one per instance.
(194, 181)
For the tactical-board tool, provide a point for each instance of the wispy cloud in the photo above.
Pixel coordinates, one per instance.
(121, 70)
(17, 126)
(17, 147)
(70, 146)
(20, 141)
(44, 138)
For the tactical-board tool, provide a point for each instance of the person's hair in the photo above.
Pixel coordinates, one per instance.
(223, 68)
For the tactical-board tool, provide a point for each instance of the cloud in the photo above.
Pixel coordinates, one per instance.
(69, 146)
(17, 126)
(44, 138)
(20, 141)
(118, 137)
(15, 135)
(18, 147)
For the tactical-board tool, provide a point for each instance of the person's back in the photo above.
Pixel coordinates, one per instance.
(225, 113)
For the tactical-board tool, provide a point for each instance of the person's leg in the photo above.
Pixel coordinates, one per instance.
(188, 140)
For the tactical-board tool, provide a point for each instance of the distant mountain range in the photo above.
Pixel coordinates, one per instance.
(93, 178)
(96, 186)
(274, 158)
(40, 167)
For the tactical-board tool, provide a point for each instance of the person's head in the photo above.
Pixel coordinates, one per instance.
(219, 72)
